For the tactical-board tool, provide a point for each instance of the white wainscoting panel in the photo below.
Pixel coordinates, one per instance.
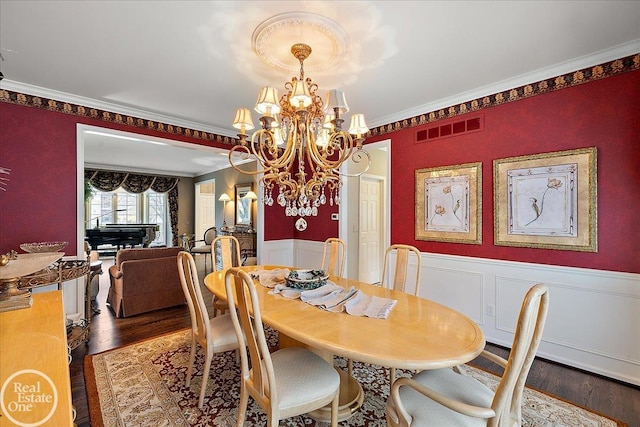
(308, 254)
(445, 286)
(594, 315)
(277, 252)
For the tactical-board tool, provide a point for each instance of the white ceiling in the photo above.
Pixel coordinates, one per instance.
(191, 63)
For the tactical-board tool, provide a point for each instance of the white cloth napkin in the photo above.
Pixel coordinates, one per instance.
(370, 306)
(319, 293)
(285, 291)
(330, 297)
(271, 278)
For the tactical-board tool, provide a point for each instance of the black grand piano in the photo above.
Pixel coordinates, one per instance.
(121, 235)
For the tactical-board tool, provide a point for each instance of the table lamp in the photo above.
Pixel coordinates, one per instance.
(251, 196)
(224, 198)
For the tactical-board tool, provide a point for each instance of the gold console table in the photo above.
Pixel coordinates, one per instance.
(59, 272)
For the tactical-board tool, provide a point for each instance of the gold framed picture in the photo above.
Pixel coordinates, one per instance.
(449, 204)
(547, 200)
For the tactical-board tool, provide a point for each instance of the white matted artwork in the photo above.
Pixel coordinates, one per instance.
(543, 201)
(546, 200)
(448, 203)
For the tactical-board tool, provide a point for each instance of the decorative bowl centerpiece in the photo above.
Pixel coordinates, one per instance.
(41, 247)
(306, 279)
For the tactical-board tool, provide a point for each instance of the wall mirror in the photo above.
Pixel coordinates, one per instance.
(243, 206)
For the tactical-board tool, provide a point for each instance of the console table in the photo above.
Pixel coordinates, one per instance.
(59, 272)
(34, 364)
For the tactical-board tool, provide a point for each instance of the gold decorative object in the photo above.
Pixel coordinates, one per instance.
(56, 272)
(301, 145)
(42, 247)
(5, 258)
(12, 298)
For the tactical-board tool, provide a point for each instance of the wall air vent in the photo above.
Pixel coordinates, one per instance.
(450, 128)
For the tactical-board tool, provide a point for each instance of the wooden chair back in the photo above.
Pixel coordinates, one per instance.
(507, 402)
(257, 372)
(334, 256)
(401, 272)
(191, 287)
(229, 249)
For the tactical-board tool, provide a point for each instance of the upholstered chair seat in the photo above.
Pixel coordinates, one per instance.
(461, 388)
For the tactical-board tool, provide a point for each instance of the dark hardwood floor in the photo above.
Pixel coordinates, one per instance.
(609, 397)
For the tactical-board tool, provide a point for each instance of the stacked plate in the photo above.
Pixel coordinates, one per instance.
(307, 279)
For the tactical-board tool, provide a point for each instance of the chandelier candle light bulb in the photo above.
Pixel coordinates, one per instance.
(301, 145)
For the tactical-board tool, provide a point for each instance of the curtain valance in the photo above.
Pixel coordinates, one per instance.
(131, 182)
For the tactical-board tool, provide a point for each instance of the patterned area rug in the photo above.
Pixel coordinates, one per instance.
(143, 385)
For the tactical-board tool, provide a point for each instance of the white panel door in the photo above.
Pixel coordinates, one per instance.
(370, 226)
(205, 209)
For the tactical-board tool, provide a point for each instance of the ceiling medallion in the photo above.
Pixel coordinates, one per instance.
(272, 37)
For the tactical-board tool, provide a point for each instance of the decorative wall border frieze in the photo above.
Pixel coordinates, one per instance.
(585, 75)
(108, 116)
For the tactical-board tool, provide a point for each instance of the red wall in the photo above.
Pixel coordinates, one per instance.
(40, 202)
(319, 228)
(603, 114)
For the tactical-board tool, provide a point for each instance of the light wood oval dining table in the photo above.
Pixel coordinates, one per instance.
(418, 334)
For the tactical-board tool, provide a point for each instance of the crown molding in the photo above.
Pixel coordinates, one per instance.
(620, 51)
(42, 92)
(597, 58)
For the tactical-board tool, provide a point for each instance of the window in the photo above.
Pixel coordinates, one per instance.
(156, 213)
(121, 207)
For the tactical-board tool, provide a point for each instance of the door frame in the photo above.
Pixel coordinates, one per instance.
(349, 208)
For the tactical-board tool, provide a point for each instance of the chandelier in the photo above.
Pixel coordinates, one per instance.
(301, 144)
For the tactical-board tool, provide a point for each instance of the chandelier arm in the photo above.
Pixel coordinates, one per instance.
(344, 151)
(288, 186)
(357, 157)
(265, 149)
(244, 154)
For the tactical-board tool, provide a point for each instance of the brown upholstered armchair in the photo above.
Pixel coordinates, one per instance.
(144, 279)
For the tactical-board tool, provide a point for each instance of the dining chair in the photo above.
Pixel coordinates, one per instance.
(205, 249)
(288, 382)
(227, 249)
(401, 270)
(450, 397)
(334, 256)
(399, 282)
(214, 335)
